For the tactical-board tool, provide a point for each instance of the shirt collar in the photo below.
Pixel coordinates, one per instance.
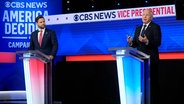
(147, 24)
(42, 29)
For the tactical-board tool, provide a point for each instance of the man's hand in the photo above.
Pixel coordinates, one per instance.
(51, 57)
(143, 39)
(129, 40)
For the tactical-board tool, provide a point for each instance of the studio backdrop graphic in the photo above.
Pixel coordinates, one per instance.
(78, 33)
(17, 19)
(94, 32)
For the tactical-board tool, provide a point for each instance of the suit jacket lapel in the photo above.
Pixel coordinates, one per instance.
(44, 36)
(36, 37)
(148, 28)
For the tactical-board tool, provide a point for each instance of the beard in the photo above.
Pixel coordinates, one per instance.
(41, 27)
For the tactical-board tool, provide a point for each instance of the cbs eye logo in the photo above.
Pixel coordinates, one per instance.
(7, 4)
(14, 4)
(83, 17)
(76, 17)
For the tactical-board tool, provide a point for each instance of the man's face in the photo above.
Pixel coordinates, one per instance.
(146, 17)
(41, 23)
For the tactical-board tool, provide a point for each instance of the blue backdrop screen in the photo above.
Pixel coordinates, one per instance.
(97, 37)
(17, 19)
(79, 38)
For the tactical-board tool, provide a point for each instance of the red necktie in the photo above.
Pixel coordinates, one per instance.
(40, 37)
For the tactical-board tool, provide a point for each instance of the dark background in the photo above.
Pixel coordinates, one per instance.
(95, 82)
(74, 6)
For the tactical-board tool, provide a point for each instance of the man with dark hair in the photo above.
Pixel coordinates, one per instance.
(44, 39)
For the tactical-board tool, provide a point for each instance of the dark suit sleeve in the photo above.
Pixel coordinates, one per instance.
(31, 47)
(135, 38)
(54, 41)
(155, 39)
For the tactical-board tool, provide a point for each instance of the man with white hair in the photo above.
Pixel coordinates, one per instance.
(147, 38)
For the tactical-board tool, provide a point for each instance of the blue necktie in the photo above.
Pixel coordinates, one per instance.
(143, 31)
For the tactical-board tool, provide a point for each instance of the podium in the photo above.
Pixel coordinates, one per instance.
(133, 75)
(38, 76)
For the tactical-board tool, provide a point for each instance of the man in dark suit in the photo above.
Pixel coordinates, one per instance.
(44, 39)
(147, 38)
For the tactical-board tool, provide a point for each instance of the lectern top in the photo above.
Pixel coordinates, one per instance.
(129, 51)
(33, 54)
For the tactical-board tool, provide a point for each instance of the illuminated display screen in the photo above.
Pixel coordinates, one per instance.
(97, 37)
(17, 19)
(83, 37)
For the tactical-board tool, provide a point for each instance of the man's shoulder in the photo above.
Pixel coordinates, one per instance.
(154, 23)
(34, 32)
(50, 30)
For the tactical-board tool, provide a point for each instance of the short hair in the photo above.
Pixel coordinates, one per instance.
(150, 11)
(38, 17)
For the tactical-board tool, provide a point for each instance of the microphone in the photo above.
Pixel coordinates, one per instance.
(133, 30)
(131, 34)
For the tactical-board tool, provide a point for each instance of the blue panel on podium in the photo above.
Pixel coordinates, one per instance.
(133, 75)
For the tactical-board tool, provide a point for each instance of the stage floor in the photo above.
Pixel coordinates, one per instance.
(16, 97)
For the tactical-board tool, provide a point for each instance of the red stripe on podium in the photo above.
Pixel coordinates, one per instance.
(7, 57)
(10, 57)
(90, 58)
(109, 57)
(173, 55)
